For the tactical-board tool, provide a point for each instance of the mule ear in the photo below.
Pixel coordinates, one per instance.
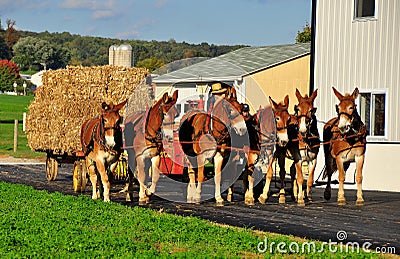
(119, 106)
(286, 101)
(314, 95)
(175, 95)
(298, 95)
(355, 93)
(273, 104)
(165, 98)
(336, 92)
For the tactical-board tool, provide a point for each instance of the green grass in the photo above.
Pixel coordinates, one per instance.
(11, 108)
(42, 225)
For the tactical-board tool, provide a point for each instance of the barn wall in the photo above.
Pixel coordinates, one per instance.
(365, 54)
(278, 82)
(358, 53)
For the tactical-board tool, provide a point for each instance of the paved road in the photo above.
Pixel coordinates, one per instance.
(378, 222)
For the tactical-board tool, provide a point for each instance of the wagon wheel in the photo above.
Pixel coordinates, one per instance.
(51, 168)
(79, 178)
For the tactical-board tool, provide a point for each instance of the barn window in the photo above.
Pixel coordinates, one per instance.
(364, 8)
(372, 112)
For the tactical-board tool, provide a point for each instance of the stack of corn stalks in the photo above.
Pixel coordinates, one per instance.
(70, 96)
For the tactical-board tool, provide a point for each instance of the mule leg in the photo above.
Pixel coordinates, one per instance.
(299, 181)
(342, 175)
(264, 196)
(191, 185)
(200, 177)
(155, 165)
(249, 195)
(91, 168)
(143, 199)
(295, 190)
(310, 180)
(104, 178)
(359, 178)
(282, 174)
(229, 197)
(218, 160)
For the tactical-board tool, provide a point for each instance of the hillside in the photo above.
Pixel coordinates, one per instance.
(89, 51)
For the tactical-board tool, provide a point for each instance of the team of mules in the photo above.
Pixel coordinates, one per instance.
(207, 136)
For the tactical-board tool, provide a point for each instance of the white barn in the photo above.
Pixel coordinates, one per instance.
(356, 43)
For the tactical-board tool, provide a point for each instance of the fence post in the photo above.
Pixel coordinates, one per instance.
(15, 135)
(23, 121)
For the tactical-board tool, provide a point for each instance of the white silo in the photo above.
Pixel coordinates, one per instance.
(121, 55)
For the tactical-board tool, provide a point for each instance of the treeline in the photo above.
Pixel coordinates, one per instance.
(72, 49)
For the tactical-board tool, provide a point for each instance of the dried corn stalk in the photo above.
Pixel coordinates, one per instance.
(70, 96)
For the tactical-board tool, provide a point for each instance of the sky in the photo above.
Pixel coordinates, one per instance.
(218, 22)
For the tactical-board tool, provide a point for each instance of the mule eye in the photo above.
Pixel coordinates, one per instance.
(351, 108)
(277, 118)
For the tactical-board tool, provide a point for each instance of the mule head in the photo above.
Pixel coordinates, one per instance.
(237, 121)
(111, 123)
(282, 120)
(346, 109)
(305, 111)
(168, 101)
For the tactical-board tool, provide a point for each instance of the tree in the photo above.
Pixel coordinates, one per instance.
(30, 51)
(9, 73)
(12, 35)
(305, 35)
(150, 63)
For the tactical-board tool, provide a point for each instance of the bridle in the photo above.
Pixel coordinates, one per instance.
(287, 123)
(308, 117)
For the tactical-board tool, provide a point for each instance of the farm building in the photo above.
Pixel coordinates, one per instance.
(256, 73)
(357, 44)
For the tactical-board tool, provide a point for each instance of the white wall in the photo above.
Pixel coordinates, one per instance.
(363, 53)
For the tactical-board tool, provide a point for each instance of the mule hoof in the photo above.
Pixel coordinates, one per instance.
(142, 202)
(301, 203)
(282, 199)
(309, 198)
(341, 202)
(219, 203)
(262, 200)
(149, 193)
(196, 200)
(229, 197)
(327, 194)
(249, 201)
(360, 203)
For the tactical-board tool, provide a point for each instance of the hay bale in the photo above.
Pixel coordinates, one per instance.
(70, 96)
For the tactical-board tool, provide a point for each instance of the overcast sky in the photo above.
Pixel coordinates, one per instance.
(219, 22)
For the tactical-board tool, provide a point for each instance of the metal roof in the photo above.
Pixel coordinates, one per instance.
(236, 64)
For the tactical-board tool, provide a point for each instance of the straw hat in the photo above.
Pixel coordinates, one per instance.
(217, 88)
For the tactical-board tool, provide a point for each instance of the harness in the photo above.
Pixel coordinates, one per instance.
(98, 135)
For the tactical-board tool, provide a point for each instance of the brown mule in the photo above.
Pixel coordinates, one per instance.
(205, 136)
(309, 142)
(101, 140)
(262, 142)
(143, 140)
(287, 145)
(344, 142)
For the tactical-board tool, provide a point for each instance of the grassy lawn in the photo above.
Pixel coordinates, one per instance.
(11, 108)
(38, 224)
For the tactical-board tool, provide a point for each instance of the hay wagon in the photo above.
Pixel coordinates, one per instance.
(66, 99)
